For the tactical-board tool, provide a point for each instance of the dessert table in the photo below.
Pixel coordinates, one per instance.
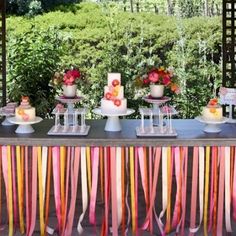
(183, 183)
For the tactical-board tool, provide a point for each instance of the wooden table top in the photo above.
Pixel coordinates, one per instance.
(190, 133)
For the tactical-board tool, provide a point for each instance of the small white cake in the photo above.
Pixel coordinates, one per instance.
(113, 101)
(213, 111)
(25, 112)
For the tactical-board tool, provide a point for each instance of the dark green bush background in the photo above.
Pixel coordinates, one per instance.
(100, 40)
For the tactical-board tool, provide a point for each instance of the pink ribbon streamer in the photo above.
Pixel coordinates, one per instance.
(95, 165)
(127, 189)
(153, 192)
(56, 180)
(150, 187)
(227, 190)
(212, 188)
(234, 187)
(144, 180)
(68, 169)
(136, 184)
(221, 192)
(194, 191)
(5, 173)
(75, 161)
(34, 192)
(13, 158)
(113, 192)
(184, 189)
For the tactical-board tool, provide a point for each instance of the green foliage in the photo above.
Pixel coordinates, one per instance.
(33, 58)
(104, 39)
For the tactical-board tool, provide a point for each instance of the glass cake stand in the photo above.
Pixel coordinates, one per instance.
(24, 127)
(211, 126)
(70, 105)
(113, 121)
(7, 115)
(157, 102)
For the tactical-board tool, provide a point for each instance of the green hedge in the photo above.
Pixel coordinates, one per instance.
(102, 40)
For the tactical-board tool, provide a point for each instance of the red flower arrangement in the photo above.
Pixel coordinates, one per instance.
(69, 77)
(158, 76)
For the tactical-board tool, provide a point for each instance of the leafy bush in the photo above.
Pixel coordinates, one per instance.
(102, 40)
(32, 59)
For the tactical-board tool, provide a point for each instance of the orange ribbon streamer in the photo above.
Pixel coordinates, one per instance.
(207, 167)
(62, 182)
(40, 183)
(88, 158)
(10, 206)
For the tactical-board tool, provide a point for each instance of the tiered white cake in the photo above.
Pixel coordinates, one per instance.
(113, 101)
(25, 112)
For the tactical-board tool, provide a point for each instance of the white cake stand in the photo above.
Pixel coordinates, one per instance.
(157, 102)
(7, 115)
(113, 121)
(24, 126)
(212, 126)
(70, 105)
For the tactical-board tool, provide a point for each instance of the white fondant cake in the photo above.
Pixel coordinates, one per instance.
(213, 111)
(25, 112)
(113, 101)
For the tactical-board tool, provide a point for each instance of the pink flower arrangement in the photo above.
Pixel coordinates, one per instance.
(158, 76)
(71, 76)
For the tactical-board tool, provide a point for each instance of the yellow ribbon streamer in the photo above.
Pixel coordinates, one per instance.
(89, 169)
(206, 190)
(62, 180)
(132, 189)
(41, 205)
(19, 184)
(10, 207)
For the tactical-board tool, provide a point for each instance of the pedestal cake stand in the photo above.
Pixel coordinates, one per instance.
(211, 126)
(24, 126)
(157, 102)
(113, 121)
(70, 105)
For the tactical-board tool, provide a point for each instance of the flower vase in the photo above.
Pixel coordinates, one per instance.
(69, 91)
(157, 90)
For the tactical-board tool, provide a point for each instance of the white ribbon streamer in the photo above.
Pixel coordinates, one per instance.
(164, 184)
(84, 188)
(227, 190)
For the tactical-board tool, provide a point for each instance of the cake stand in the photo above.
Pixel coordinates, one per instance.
(211, 126)
(7, 115)
(24, 126)
(113, 121)
(70, 105)
(157, 102)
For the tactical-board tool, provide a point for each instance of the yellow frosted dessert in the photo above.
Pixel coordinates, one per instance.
(213, 111)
